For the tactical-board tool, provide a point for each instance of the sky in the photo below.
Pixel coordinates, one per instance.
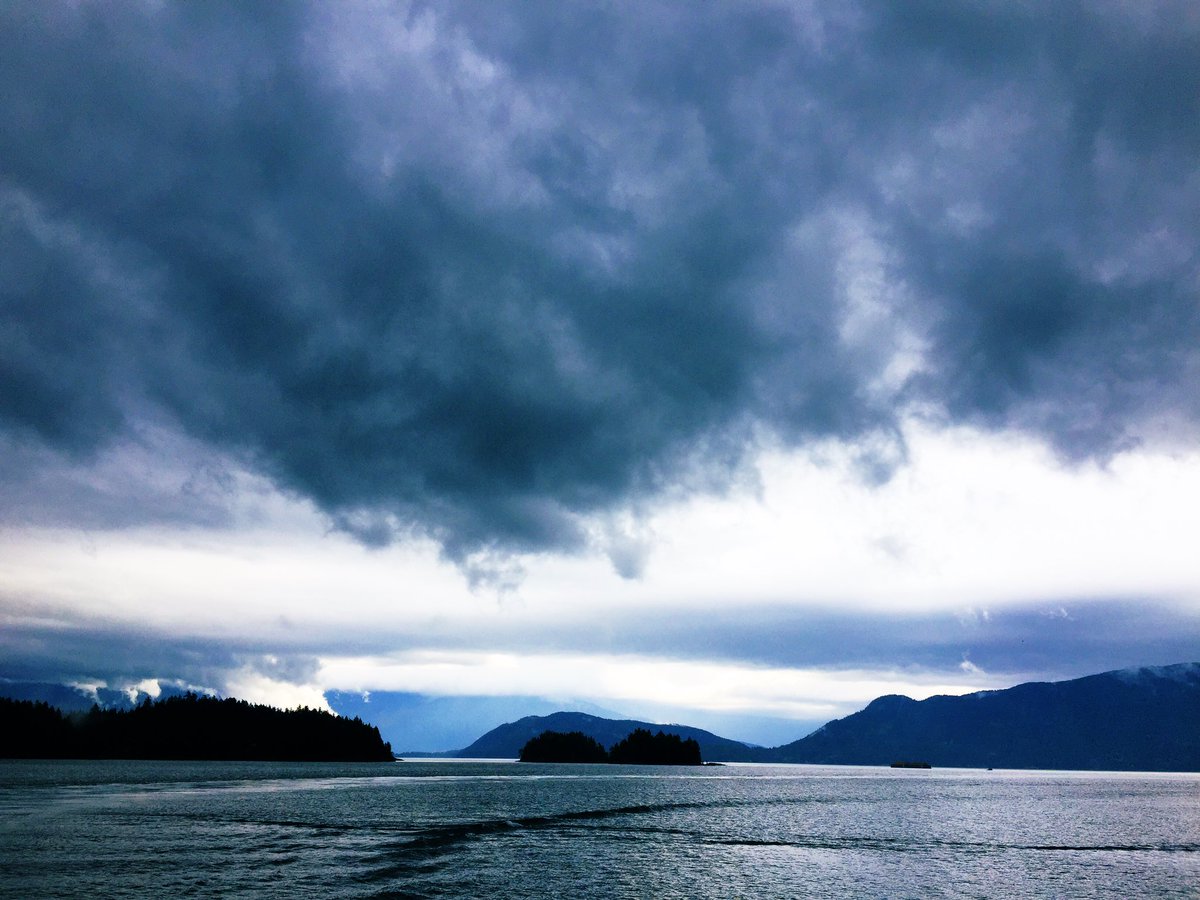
(728, 363)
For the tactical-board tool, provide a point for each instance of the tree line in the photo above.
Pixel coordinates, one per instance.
(640, 747)
(187, 727)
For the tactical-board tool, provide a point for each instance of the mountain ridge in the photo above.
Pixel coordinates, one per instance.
(1140, 718)
(506, 741)
(1135, 718)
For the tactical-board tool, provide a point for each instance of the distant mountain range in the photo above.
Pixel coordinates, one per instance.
(1132, 719)
(1142, 719)
(70, 698)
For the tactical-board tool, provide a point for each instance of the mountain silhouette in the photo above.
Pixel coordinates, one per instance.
(1143, 719)
(1138, 719)
(506, 741)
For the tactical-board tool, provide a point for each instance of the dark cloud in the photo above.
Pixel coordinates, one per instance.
(477, 270)
(1048, 640)
(1056, 638)
(91, 650)
(150, 478)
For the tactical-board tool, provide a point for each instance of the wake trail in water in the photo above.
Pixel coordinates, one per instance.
(424, 851)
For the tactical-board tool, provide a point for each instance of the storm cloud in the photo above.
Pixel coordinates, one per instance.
(478, 271)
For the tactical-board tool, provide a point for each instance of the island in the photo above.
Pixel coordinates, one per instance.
(190, 727)
(639, 747)
(557, 746)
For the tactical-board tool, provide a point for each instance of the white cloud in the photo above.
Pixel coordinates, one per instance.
(981, 519)
(974, 520)
(973, 523)
(247, 684)
(148, 686)
(781, 692)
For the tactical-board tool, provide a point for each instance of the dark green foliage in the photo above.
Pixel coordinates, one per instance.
(187, 727)
(555, 746)
(642, 747)
(31, 730)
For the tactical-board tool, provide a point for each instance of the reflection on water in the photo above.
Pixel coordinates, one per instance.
(436, 829)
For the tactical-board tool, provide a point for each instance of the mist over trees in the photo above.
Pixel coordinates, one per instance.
(187, 727)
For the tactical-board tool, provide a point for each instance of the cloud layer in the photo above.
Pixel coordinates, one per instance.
(980, 565)
(477, 272)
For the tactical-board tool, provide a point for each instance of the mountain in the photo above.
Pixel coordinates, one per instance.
(506, 741)
(1141, 719)
(70, 698)
(438, 725)
(1145, 719)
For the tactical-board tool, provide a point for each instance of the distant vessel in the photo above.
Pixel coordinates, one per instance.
(911, 765)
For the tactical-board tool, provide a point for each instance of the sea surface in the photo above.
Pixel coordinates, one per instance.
(502, 829)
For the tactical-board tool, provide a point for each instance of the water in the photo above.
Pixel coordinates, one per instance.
(437, 829)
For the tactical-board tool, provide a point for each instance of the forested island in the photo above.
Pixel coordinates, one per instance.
(557, 746)
(640, 747)
(187, 727)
